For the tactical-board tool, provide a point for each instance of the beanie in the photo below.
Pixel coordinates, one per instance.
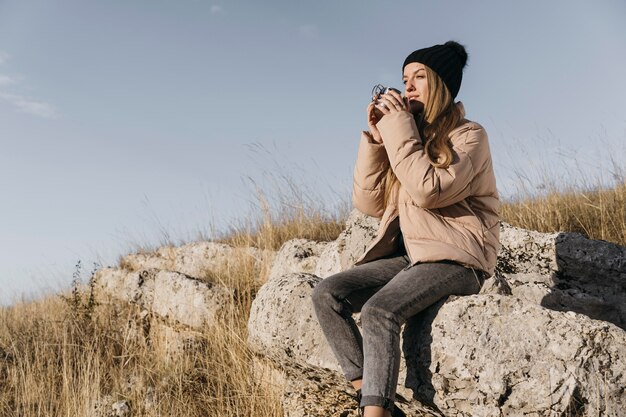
(447, 60)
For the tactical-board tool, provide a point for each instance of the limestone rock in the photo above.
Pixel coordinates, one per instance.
(171, 295)
(486, 355)
(106, 407)
(341, 254)
(565, 272)
(326, 258)
(297, 255)
(481, 355)
(527, 252)
(121, 409)
(282, 322)
(194, 259)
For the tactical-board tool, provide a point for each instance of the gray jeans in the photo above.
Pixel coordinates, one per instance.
(387, 293)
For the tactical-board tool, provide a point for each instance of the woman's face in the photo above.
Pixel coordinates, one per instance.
(415, 86)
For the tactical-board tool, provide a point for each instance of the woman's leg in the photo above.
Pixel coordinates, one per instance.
(409, 292)
(335, 299)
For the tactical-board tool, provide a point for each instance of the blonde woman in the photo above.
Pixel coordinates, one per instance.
(426, 171)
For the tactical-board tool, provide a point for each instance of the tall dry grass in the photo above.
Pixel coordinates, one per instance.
(598, 213)
(66, 356)
(292, 211)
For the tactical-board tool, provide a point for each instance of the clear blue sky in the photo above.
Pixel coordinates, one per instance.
(124, 121)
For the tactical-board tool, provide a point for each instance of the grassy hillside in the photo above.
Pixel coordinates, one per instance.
(60, 354)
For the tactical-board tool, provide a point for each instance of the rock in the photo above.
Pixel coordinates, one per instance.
(486, 355)
(121, 409)
(520, 347)
(326, 258)
(297, 255)
(561, 271)
(497, 284)
(481, 355)
(341, 254)
(282, 322)
(591, 277)
(565, 272)
(309, 391)
(106, 407)
(197, 260)
(173, 296)
(168, 341)
(528, 253)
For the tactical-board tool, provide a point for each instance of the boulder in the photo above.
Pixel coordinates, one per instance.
(170, 295)
(282, 322)
(489, 355)
(479, 355)
(301, 255)
(520, 347)
(341, 253)
(561, 271)
(197, 259)
(283, 328)
(565, 272)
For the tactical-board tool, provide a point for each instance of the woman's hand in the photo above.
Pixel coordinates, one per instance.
(393, 103)
(372, 119)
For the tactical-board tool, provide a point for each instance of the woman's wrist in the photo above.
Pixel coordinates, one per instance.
(373, 137)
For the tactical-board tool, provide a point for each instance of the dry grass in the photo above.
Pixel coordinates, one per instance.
(597, 213)
(293, 212)
(58, 357)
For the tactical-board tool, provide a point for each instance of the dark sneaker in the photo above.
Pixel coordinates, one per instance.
(397, 412)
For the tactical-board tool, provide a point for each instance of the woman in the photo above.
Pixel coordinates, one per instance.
(427, 171)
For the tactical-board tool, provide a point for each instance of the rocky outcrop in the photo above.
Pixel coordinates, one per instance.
(174, 305)
(341, 253)
(544, 337)
(198, 260)
(489, 355)
(171, 295)
(479, 355)
(518, 348)
(561, 271)
(566, 272)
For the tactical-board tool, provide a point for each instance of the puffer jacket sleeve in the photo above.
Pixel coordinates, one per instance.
(367, 187)
(431, 187)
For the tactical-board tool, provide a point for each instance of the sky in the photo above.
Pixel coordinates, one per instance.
(124, 124)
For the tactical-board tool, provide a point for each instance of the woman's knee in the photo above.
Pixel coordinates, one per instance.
(322, 293)
(375, 310)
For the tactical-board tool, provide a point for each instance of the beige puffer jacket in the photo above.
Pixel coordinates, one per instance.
(450, 213)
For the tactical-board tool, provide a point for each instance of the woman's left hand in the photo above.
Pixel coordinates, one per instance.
(393, 102)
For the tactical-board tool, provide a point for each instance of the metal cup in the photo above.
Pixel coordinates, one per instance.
(378, 91)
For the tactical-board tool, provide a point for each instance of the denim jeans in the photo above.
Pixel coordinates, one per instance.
(387, 292)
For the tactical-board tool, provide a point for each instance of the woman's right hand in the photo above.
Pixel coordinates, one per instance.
(374, 117)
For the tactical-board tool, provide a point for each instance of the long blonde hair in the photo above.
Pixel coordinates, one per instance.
(434, 123)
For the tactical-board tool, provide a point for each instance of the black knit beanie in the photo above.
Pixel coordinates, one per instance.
(447, 60)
